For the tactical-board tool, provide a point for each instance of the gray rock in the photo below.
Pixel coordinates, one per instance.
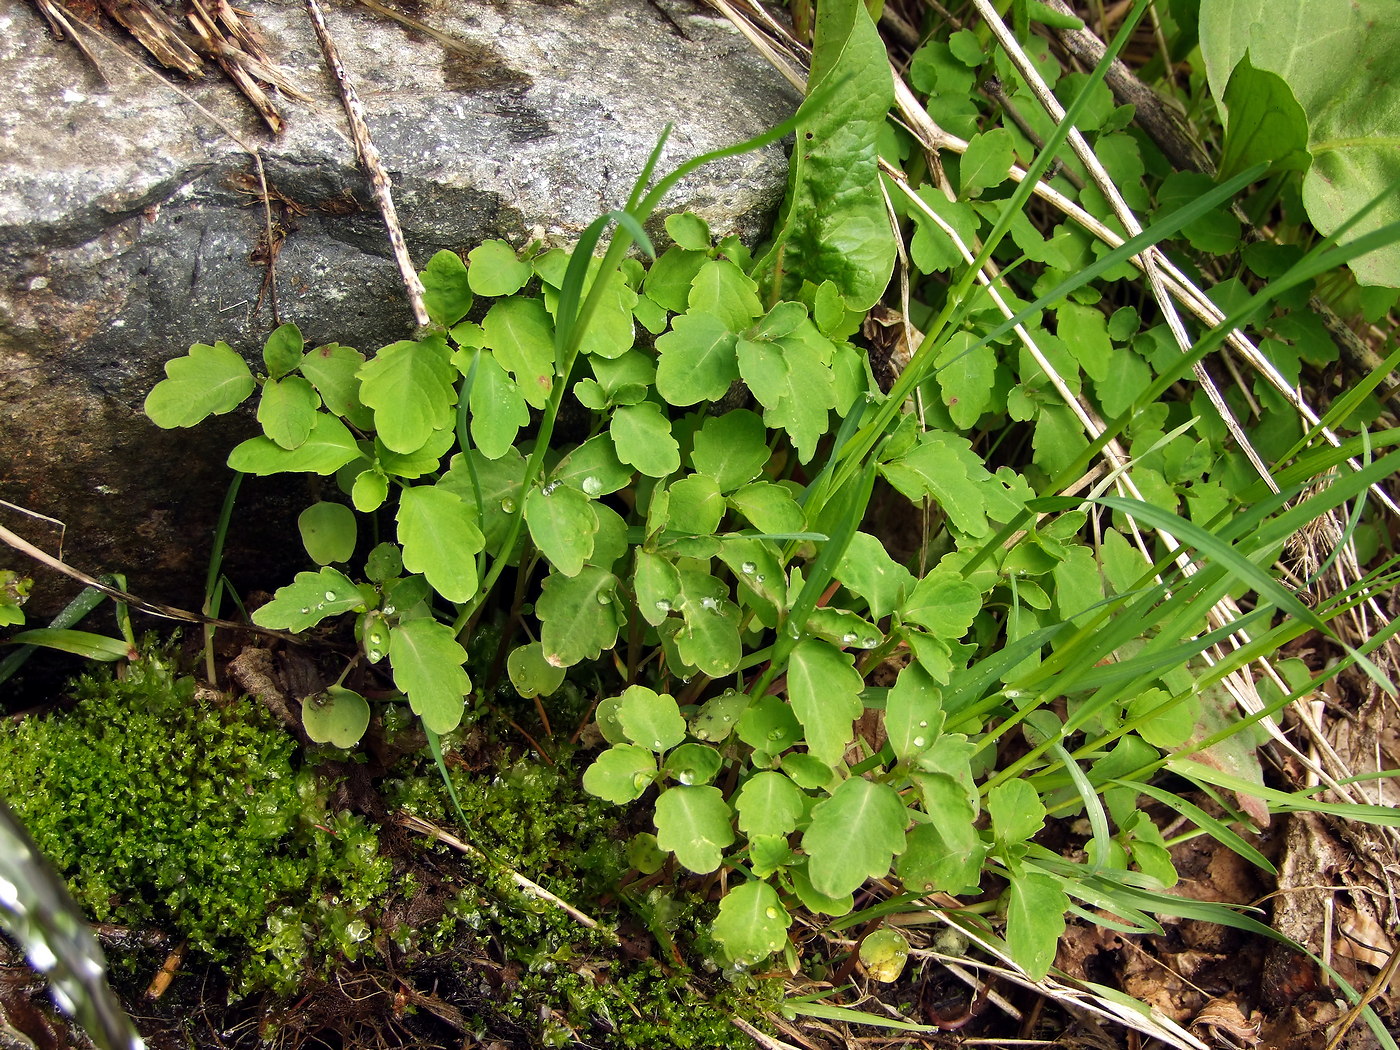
(127, 228)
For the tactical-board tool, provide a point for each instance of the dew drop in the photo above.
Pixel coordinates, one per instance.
(604, 599)
(662, 605)
(848, 638)
(775, 734)
(923, 724)
(748, 568)
(640, 781)
(508, 505)
(658, 745)
(686, 777)
(374, 655)
(919, 741)
(389, 610)
(330, 596)
(869, 643)
(759, 578)
(727, 718)
(592, 486)
(710, 604)
(772, 913)
(356, 930)
(305, 609)
(548, 490)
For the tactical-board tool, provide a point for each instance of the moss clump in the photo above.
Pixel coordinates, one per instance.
(164, 810)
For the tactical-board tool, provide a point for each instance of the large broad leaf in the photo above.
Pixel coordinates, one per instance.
(824, 688)
(410, 387)
(440, 538)
(208, 381)
(834, 224)
(1341, 61)
(327, 448)
(579, 615)
(428, 668)
(309, 599)
(854, 835)
(1035, 920)
(563, 523)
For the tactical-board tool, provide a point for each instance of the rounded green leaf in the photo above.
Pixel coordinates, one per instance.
(620, 774)
(769, 804)
(338, 717)
(440, 537)
(693, 764)
(411, 387)
(328, 447)
(282, 351)
(384, 563)
(328, 532)
(446, 289)
(769, 725)
(530, 673)
(644, 854)
(563, 523)
(642, 436)
(370, 490)
(428, 669)
(651, 719)
(913, 712)
(824, 688)
(689, 231)
(693, 823)
(731, 448)
(697, 360)
(208, 381)
(718, 717)
(854, 835)
(752, 923)
(1016, 811)
(579, 615)
(496, 270)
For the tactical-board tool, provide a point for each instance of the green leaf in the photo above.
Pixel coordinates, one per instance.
(496, 270)
(650, 719)
(410, 387)
(723, 291)
(563, 524)
(520, 332)
(752, 923)
(657, 586)
(415, 464)
(579, 615)
(328, 448)
(497, 409)
(867, 569)
(769, 804)
(854, 835)
(794, 385)
(86, 644)
(689, 231)
(717, 717)
(987, 161)
(769, 508)
(1340, 63)
(710, 638)
(883, 954)
(966, 374)
(309, 599)
(693, 823)
(642, 436)
(447, 292)
(668, 281)
(824, 689)
(287, 410)
(1016, 811)
(695, 506)
(208, 381)
(1035, 920)
(945, 467)
(338, 717)
(932, 862)
(328, 532)
(334, 371)
(944, 603)
(693, 764)
(1264, 125)
(834, 226)
(440, 537)
(369, 491)
(530, 673)
(593, 468)
(696, 359)
(620, 774)
(428, 669)
(282, 351)
(913, 712)
(769, 725)
(732, 448)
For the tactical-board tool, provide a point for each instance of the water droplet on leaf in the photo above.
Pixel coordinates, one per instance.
(748, 568)
(592, 486)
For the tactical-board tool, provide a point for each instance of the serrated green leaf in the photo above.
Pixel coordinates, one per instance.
(650, 719)
(530, 673)
(593, 468)
(944, 467)
(440, 537)
(696, 359)
(447, 293)
(642, 436)
(966, 374)
(756, 566)
(520, 332)
(854, 835)
(415, 464)
(338, 717)
(931, 863)
(824, 689)
(282, 350)
(579, 615)
(752, 923)
(668, 281)
(208, 381)
(1016, 811)
(710, 638)
(794, 386)
(409, 385)
(769, 508)
(696, 506)
(496, 270)
(693, 823)
(563, 524)
(620, 774)
(769, 725)
(1035, 920)
(328, 532)
(369, 491)
(309, 599)
(657, 586)
(287, 410)
(721, 290)
(328, 448)
(843, 628)
(732, 448)
(944, 603)
(334, 371)
(718, 716)
(428, 669)
(769, 804)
